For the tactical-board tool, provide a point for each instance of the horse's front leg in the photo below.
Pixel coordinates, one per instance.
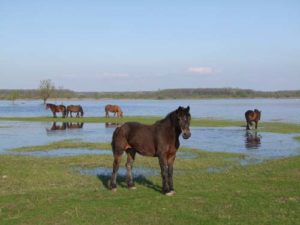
(164, 173)
(129, 163)
(256, 122)
(170, 174)
(54, 114)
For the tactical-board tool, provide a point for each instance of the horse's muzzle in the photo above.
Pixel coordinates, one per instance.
(186, 134)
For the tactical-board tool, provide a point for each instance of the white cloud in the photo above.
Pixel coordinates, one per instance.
(201, 70)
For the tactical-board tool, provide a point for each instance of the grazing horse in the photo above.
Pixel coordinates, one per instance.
(114, 109)
(75, 109)
(252, 116)
(57, 108)
(160, 139)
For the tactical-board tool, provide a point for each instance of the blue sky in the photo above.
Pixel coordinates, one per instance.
(150, 45)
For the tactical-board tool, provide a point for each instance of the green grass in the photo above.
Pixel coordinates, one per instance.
(74, 144)
(47, 191)
(263, 126)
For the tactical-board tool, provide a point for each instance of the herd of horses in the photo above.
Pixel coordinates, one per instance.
(160, 140)
(65, 111)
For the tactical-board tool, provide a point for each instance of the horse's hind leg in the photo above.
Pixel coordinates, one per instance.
(256, 122)
(116, 164)
(129, 163)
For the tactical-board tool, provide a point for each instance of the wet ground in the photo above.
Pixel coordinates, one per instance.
(258, 145)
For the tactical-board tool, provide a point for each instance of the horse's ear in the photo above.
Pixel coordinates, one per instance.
(179, 109)
(188, 108)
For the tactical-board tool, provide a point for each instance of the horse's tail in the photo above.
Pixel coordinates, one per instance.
(114, 137)
(81, 110)
(65, 111)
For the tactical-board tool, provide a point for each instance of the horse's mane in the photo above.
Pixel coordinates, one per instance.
(169, 117)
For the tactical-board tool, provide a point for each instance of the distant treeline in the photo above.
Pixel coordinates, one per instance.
(198, 93)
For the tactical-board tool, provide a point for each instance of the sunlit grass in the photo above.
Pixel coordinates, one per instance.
(37, 190)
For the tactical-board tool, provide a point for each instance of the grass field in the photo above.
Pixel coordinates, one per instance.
(212, 188)
(47, 191)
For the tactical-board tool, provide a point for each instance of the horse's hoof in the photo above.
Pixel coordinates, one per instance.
(170, 193)
(132, 188)
(113, 189)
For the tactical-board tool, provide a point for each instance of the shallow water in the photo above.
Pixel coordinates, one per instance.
(287, 110)
(256, 146)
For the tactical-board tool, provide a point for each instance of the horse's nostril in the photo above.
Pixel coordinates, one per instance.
(186, 135)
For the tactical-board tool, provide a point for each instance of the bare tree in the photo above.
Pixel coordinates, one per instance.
(46, 88)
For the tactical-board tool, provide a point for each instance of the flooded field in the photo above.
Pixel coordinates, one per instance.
(285, 110)
(257, 146)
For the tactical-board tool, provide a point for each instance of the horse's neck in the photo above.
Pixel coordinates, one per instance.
(171, 122)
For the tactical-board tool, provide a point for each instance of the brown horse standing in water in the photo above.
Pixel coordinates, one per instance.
(252, 116)
(158, 140)
(114, 109)
(75, 109)
(57, 108)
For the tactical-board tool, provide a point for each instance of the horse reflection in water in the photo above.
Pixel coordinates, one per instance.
(74, 125)
(64, 126)
(55, 127)
(112, 125)
(252, 140)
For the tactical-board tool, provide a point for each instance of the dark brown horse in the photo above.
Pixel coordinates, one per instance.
(252, 116)
(57, 108)
(114, 109)
(158, 140)
(74, 109)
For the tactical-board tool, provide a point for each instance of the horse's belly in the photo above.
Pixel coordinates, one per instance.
(146, 150)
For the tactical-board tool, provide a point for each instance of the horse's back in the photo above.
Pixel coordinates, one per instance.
(135, 135)
(249, 114)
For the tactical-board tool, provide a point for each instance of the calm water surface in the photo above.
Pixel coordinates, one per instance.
(285, 110)
(255, 145)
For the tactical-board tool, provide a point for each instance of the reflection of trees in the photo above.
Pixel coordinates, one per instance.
(252, 140)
